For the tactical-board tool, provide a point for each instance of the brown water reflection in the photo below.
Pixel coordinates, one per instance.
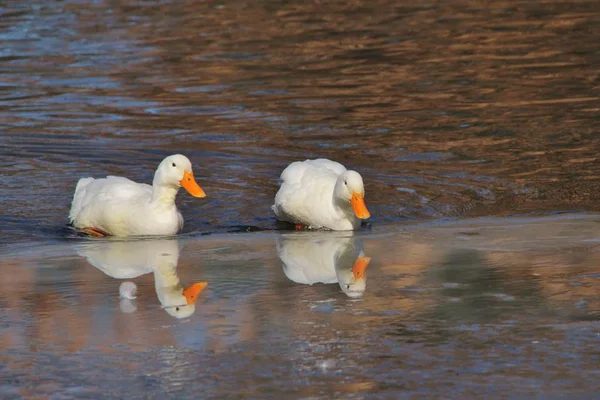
(449, 310)
(448, 108)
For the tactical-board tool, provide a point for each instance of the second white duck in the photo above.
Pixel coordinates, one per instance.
(321, 194)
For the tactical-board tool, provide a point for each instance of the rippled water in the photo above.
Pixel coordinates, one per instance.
(449, 110)
(445, 108)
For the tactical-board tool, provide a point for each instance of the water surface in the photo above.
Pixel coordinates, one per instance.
(446, 109)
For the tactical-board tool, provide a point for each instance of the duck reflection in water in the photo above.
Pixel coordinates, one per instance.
(130, 259)
(325, 257)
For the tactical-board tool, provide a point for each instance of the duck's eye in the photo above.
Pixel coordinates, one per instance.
(346, 183)
(347, 286)
(176, 308)
(174, 165)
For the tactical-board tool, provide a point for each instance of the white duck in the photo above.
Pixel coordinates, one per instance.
(310, 259)
(121, 207)
(130, 259)
(321, 194)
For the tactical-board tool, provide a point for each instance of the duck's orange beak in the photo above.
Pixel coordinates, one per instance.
(189, 183)
(191, 293)
(360, 266)
(359, 207)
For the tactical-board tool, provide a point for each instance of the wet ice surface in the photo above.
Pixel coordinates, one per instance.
(481, 308)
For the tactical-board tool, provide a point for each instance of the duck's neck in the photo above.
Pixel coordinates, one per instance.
(345, 213)
(167, 285)
(163, 195)
(343, 207)
(165, 276)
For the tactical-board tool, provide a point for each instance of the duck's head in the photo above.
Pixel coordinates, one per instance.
(182, 304)
(349, 187)
(354, 282)
(176, 171)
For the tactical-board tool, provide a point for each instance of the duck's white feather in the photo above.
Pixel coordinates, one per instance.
(98, 192)
(306, 196)
(300, 170)
(121, 207)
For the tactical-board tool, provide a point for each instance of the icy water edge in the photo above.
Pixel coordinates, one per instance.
(482, 308)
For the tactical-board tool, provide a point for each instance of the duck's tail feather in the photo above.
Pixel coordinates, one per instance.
(78, 197)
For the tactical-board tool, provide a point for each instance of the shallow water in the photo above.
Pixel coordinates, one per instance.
(449, 110)
(483, 308)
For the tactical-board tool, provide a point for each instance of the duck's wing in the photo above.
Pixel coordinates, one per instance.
(79, 197)
(113, 190)
(117, 188)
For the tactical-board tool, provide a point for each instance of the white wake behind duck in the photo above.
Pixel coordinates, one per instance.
(121, 207)
(324, 258)
(321, 194)
(130, 259)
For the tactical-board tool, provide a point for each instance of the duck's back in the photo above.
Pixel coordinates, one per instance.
(298, 171)
(306, 191)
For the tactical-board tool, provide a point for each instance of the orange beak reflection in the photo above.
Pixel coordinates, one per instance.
(189, 183)
(359, 207)
(360, 266)
(191, 293)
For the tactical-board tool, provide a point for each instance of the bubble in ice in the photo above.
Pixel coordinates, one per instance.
(127, 290)
(127, 306)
